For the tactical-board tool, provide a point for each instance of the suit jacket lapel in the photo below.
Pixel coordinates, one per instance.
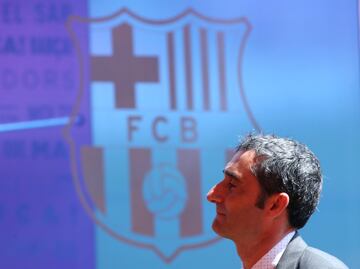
(292, 254)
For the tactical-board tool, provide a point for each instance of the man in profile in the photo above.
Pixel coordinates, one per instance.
(270, 189)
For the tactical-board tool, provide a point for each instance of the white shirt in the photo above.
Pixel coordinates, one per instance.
(272, 257)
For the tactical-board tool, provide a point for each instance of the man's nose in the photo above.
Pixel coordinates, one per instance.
(215, 195)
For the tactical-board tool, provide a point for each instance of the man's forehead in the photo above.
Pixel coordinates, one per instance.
(240, 162)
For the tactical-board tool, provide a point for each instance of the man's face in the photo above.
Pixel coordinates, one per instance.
(237, 216)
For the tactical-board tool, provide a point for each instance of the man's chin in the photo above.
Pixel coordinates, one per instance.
(218, 228)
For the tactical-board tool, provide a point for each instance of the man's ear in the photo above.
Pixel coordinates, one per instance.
(277, 203)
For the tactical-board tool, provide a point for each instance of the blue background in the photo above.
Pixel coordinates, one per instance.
(301, 74)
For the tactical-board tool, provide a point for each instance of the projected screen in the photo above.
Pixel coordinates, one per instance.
(117, 117)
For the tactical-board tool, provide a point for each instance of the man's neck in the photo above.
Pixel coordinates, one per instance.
(251, 252)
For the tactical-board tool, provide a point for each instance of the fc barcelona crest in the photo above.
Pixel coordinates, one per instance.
(166, 101)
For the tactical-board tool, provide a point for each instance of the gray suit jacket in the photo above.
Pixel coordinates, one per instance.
(298, 255)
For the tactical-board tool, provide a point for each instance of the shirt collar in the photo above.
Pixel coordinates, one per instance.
(272, 257)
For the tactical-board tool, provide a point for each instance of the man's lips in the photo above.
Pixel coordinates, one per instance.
(221, 213)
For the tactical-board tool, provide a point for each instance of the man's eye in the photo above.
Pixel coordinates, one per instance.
(231, 185)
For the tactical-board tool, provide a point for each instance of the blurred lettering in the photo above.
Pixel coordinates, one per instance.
(50, 45)
(10, 13)
(52, 12)
(14, 45)
(13, 148)
(40, 112)
(188, 130)
(33, 79)
(40, 148)
(131, 126)
(48, 149)
(156, 135)
(162, 127)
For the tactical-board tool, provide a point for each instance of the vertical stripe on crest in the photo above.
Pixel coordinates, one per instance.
(140, 163)
(171, 63)
(204, 66)
(222, 70)
(93, 170)
(189, 165)
(188, 68)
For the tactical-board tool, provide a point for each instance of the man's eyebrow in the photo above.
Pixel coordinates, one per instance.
(231, 174)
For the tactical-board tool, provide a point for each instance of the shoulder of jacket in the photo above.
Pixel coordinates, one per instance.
(316, 258)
